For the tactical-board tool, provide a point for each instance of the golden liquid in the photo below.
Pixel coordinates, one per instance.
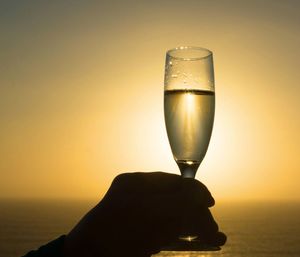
(189, 117)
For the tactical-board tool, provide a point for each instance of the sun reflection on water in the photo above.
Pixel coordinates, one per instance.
(183, 254)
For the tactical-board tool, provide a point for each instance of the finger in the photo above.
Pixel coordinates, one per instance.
(217, 239)
(205, 223)
(154, 208)
(147, 183)
(148, 238)
(160, 182)
(197, 193)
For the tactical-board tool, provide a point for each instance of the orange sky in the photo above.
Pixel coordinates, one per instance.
(81, 94)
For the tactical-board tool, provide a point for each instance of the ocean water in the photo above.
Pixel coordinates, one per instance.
(253, 229)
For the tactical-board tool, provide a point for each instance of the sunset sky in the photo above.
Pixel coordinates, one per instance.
(81, 94)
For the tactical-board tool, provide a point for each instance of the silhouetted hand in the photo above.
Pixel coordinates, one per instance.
(140, 213)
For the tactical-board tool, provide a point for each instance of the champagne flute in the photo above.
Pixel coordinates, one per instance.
(189, 106)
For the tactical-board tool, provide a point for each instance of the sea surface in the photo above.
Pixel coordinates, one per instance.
(253, 229)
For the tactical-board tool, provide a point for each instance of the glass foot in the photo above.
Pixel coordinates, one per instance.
(192, 245)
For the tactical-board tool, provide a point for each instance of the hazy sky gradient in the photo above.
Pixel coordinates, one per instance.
(81, 94)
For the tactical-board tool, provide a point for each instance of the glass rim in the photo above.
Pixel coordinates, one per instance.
(197, 48)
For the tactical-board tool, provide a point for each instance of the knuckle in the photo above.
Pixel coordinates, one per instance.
(120, 178)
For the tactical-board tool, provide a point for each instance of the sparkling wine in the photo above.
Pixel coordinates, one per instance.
(189, 116)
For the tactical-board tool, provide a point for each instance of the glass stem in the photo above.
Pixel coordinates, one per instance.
(188, 169)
